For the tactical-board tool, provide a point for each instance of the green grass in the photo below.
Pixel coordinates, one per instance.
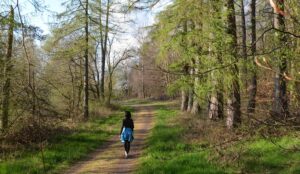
(263, 156)
(63, 150)
(168, 153)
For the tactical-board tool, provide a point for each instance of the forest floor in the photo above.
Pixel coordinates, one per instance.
(109, 158)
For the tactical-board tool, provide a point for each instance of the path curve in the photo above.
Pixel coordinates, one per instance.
(109, 158)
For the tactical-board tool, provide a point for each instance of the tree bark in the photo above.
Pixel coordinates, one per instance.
(86, 65)
(184, 92)
(73, 98)
(191, 91)
(280, 103)
(184, 100)
(97, 75)
(7, 72)
(110, 88)
(234, 101)
(143, 80)
(253, 82)
(102, 75)
(244, 44)
(196, 107)
(215, 111)
(216, 106)
(104, 40)
(190, 100)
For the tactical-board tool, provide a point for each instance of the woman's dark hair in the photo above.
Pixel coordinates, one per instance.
(127, 114)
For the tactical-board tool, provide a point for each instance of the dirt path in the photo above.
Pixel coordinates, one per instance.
(110, 157)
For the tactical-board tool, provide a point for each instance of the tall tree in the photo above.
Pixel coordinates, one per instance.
(185, 69)
(244, 43)
(216, 102)
(280, 103)
(253, 82)
(234, 99)
(196, 106)
(191, 88)
(97, 72)
(7, 71)
(86, 63)
(104, 32)
(184, 91)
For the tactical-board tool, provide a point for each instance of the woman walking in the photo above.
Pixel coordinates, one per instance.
(126, 133)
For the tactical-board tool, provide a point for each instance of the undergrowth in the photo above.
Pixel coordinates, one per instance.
(61, 151)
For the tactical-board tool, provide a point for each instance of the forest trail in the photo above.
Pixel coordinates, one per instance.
(109, 158)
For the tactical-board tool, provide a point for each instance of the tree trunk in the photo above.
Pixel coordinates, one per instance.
(86, 65)
(216, 106)
(7, 72)
(190, 100)
(80, 86)
(184, 100)
(73, 98)
(234, 101)
(184, 91)
(33, 90)
(191, 91)
(215, 111)
(297, 89)
(143, 81)
(104, 40)
(102, 74)
(110, 86)
(97, 75)
(196, 107)
(110, 74)
(253, 83)
(93, 88)
(280, 103)
(244, 44)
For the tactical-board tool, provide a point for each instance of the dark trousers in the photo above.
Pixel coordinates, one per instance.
(127, 146)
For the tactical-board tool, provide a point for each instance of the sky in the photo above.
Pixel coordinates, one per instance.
(45, 18)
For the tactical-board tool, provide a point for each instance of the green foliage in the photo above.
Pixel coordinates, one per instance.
(193, 34)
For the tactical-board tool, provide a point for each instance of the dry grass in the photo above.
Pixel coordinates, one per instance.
(30, 132)
(202, 130)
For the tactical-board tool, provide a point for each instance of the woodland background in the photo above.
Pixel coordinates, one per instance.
(234, 62)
